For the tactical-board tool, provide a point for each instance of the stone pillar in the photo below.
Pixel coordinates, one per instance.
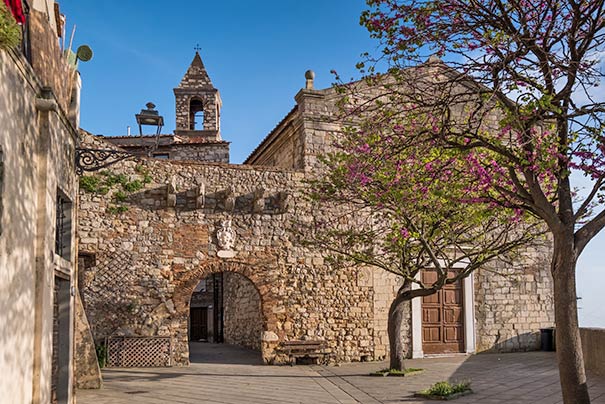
(87, 371)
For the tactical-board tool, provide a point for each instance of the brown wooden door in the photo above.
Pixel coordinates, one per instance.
(442, 318)
(198, 324)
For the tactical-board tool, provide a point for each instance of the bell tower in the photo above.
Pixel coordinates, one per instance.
(198, 104)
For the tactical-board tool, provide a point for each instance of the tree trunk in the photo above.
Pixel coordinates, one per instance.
(397, 315)
(569, 346)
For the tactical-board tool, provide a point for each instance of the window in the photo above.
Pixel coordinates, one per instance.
(63, 226)
(164, 156)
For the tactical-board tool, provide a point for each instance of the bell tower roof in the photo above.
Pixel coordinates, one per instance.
(196, 76)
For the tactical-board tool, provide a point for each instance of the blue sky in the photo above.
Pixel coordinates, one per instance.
(256, 53)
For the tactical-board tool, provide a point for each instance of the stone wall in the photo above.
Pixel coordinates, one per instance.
(385, 287)
(217, 152)
(150, 257)
(49, 64)
(513, 301)
(242, 305)
(176, 148)
(593, 346)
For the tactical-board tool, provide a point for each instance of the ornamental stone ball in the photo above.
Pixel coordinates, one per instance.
(309, 75)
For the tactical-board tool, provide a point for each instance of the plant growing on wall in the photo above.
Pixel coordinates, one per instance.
(10, 31)
(119, 185)
(539, 63)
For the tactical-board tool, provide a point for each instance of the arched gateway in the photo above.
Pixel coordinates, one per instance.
(234, 276)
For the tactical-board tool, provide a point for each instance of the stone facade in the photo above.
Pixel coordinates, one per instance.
(513, 302)
(38, 193)
(149, 259)
(153, 247)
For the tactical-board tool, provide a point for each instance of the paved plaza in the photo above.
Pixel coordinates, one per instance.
(223, 374)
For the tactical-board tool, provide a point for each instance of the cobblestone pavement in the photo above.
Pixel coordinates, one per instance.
(222, 374)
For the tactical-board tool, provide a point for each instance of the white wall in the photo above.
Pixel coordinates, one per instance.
(38, 153)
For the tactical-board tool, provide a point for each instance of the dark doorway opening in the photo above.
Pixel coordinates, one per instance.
(199, 324)
(61, 342)
(206, 310)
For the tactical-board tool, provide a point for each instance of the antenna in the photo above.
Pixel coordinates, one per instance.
(71, 39)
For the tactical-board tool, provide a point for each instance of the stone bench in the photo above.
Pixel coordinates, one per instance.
(308, 352)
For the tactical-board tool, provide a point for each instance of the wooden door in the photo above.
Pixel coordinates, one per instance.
(442, 318)
(198, 324)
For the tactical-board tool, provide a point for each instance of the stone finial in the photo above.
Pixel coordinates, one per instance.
(283, 201)
(171, 193)
(228, 199)
(310, 76)
(200, 195)
(258, 205)
(434, 59)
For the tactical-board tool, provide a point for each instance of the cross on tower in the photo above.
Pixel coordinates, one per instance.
(197, 48)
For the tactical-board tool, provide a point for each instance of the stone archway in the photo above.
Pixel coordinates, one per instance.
(259, 273)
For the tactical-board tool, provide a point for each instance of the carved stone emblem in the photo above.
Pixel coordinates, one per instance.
(226, 239)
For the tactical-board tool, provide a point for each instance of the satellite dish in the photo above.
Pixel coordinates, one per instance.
(84, 53)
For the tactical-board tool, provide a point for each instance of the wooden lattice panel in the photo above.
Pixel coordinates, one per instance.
(138, 352)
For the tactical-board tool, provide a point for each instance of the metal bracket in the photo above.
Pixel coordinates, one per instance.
(96, 159)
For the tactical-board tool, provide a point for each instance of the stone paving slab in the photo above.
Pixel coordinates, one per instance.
(232, 375)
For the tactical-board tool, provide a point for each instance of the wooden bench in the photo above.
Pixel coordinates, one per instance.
(311, 350)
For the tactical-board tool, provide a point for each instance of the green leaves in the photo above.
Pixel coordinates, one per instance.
(10, 31)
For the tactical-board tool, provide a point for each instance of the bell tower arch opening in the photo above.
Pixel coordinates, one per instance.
(196, 114)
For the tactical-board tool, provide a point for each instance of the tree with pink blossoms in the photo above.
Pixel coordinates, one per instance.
(405, 205)
(514, 104)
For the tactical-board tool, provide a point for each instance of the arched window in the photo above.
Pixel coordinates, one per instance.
(196, 114)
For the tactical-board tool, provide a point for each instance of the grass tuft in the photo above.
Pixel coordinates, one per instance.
(446, 389)
(396, 372)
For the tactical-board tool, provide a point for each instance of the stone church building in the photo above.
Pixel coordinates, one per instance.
(178, 245)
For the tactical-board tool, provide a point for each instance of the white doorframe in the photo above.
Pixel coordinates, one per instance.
(469, 313)
(468, 291)
(417, 325)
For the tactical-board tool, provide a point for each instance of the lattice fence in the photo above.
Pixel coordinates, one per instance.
(138, 352)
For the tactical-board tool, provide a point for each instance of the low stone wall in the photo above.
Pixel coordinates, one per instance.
(593, 345)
